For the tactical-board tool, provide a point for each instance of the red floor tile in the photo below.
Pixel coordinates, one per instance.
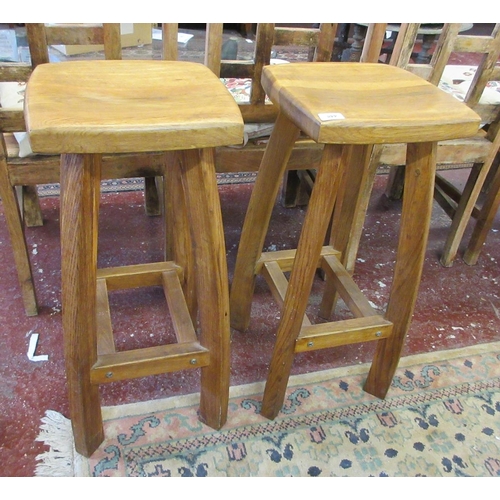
(456, 307)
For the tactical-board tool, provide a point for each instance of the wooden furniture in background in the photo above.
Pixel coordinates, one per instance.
(83, 110)
(319, 44)
(20, 175)
(328, 104)
(479, 150)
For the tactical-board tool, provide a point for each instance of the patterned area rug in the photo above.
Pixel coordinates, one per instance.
(137, 183)
(441, 418)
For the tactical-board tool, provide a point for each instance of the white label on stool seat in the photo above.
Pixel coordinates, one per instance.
(331, 116)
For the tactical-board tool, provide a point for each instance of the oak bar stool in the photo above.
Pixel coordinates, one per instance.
(85, 109)
(348, 107)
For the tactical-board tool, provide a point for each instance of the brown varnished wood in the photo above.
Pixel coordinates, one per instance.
(326, 88)
(77, 126)
(80, 187)
(105, 339)
(28, 200)
(178, 240)
(262, 57)
(355, 300)
(278, 284)
(343, 332)
(285, 258)
(345, 231)
(257, 219)
(30, 171)
(203, 206)
(169, 36)
(344, 180)
(137, 275)
(301, 278)
(475, 149)
(374, 39)
(149, 361)
(324, 48)
(487, 213)
(413, 234)
(213, 47)
(183, 324)
(15, 72)
(12, 217)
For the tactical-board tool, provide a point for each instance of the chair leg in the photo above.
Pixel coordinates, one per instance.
(262, 201)
(395, 183)
(463, 213)
(488, 211)
(301, 278)
(293, 192)
(32, 214)
(16, 231)
(152, 198)
(205, 218)
(414, 231)
(80, 185)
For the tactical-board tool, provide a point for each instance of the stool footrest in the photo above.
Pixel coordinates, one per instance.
(343, 332)
(357, 303)
(185, 354)
(278, 284)
(105, 339)
(366, 325)
(137, 275)
(285, 258)
(149, 361)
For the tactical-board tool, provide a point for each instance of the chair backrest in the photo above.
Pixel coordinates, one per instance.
(473, 84)
(316, 44)
(40, 37)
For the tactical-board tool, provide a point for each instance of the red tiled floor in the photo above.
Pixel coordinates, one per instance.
(456, 307)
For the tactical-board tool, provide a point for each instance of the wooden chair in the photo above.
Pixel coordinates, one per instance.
(19, 175)
(480, 150)
(318, 41)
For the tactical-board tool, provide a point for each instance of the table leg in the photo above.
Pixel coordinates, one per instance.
(414, 231)
(80, 187)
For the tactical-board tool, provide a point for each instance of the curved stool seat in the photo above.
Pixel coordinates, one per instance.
(88, 108)
(348, 107)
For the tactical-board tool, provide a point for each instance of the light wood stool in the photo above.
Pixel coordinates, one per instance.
(83, 110)
(348, 107)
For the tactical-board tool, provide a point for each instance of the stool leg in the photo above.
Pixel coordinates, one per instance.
(203, 205)
(257, 218)
(178, 243)
(80, 184)
(414, 230)
(348, 216)
(301, 278)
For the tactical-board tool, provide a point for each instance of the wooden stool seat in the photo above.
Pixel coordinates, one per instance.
(86, 109)
(171, 105)
(348, 107)
(352, 103)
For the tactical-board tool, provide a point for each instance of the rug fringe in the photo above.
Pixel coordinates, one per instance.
(61, 460)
